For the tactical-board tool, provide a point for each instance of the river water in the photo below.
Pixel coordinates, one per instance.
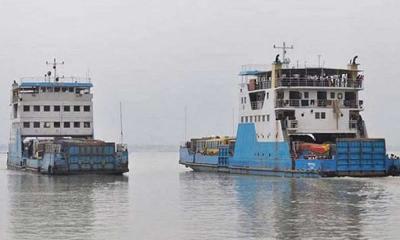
(159, 199)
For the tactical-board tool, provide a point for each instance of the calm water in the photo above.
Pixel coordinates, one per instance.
(160, 200)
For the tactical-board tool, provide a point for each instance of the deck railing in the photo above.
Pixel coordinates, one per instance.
(306, 103)
(325, 82)
(256, 105)
(265, 84)
(62, 79)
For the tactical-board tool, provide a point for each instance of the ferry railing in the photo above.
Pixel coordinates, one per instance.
(321, 82)
(265, 84)
(307, 103)
(256, 105)
(353, 124)
(71, 79)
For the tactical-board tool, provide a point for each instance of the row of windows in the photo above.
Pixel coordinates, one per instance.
(56, 108)
(320, 115)
(257, 118)
(306, 95)
(244, 99)
(55, 124)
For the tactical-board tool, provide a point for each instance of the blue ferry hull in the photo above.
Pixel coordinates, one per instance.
(71, 157)
(354, 157)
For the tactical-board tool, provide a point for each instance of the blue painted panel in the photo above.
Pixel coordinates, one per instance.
(328, 165)
(361, 155)
(199, 158)
(308, 165)
(251, 153)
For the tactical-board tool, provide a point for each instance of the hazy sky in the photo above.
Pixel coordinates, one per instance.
(157, 56)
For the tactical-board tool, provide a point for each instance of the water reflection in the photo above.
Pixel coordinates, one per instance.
(59, 207)
(255, 207)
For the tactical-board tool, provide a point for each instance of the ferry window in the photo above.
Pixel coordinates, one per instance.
(43, 89)
(304, 103)
(57, 89)
(77, 124)
(263, 118)
(244, 99)
(340, 95)
(56, 108)
(242, 119)
(27, 124)
(57, 124)
(67, 124)
(267, 95)
(332, 95)
(27, 108)
(86, 108)
(323, 115)
(36, 124)
(15, 110)
(294, 95)
(71, 89)
(86, 124)
(46, 125)
(36, 108)
(64, 89)
(46, 108)
(67, 108)
(306, 95)
(317, 116)
(77, 108)
(247, 119)
(251, 118)
(267, 117)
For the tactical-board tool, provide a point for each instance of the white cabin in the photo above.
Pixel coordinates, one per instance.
(289, 103)
(46, 108)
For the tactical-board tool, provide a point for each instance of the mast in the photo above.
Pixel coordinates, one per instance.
(185, 122)
(121, 126)
(54, 64)
(285, 60)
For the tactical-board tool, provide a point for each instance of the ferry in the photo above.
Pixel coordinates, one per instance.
(296, 122)
(52, 128)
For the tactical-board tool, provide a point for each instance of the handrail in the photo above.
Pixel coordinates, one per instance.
(310, 103)
(264, 84)
(256, 105)
(322, 82)
(61, 79)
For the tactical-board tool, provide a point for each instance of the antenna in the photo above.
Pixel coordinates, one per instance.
(319, 60)
(54, 64)
(233, 121)
(285, 60)
(120, 119)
